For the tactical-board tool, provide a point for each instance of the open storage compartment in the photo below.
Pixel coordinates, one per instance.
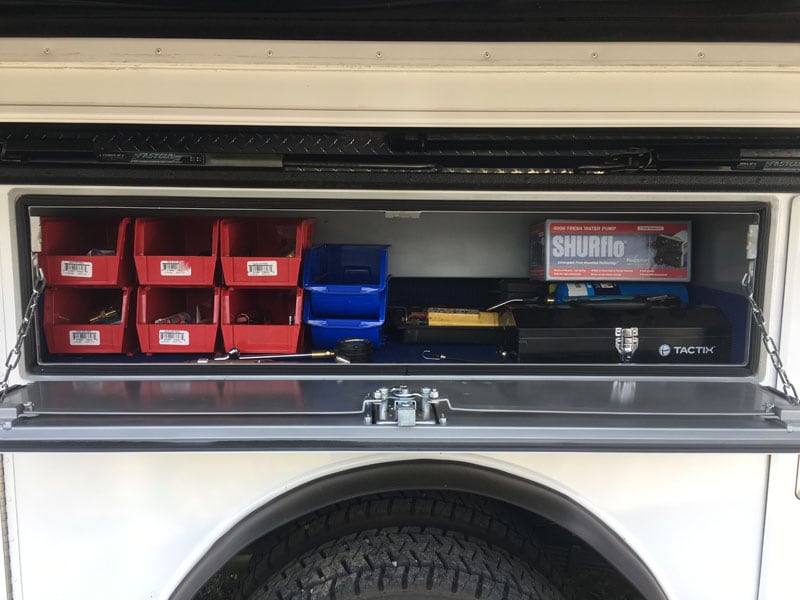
(262, 320)
(89, 320)
(182, 320)
(263, 252)
(87, 252)
(443, 289)
(176, 251)
(346, 280)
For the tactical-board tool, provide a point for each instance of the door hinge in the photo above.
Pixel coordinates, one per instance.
(788, 414)
(12, 410)
(627, 342)
(401, 407)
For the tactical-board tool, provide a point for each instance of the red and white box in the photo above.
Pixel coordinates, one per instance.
(572, 250)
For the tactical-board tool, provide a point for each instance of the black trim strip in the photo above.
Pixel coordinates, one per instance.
(254, 178)
(433, 20)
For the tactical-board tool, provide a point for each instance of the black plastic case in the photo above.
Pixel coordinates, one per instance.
(587, 334)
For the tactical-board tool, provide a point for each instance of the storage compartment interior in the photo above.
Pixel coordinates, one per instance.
(86, 236)
(175, 251)
(94, 251)
(185, 236)
(183, 320)
(88, 321)
(263, 252)
(262, 320)
(436, 298)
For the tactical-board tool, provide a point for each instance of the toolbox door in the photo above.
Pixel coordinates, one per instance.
(421, 414)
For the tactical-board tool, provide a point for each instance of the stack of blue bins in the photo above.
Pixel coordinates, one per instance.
(346, 292)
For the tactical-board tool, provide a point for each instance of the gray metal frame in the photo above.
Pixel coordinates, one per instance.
(480, 414)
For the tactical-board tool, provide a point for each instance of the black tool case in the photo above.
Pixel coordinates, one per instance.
(592, 333)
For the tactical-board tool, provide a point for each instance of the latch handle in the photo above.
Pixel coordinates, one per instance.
(627, 342)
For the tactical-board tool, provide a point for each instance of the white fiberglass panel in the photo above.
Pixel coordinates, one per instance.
(130, 525)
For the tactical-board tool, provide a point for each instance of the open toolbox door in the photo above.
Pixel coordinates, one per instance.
(542, 414)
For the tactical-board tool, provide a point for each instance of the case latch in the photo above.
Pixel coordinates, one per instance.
(627, 342)
(401, 407)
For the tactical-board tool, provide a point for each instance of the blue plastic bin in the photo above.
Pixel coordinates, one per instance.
(346, 280)
(325, 332)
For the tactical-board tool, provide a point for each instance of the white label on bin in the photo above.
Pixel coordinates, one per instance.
(576, 290)
(169, 337)
(176, 268)
(84, 338)
(262, 268)
(76, 269)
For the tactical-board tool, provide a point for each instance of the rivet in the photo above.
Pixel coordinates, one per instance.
(46, 50)
(379, 54)
(487, 54)
(594, 55)
(701, 55)
(158, 50)
(270, 53)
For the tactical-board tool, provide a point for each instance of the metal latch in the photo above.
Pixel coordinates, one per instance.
(401, 407)
(627, 342)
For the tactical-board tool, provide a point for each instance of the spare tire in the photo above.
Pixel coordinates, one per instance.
(418, 563)
(475, 517)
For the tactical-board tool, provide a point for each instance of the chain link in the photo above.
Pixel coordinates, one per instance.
(769, 342)
(12, 360)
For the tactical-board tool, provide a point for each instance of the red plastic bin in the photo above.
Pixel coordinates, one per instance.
(67, 326)
(263, 252)
(158, 302)
(278, 306)
(70, 246)
(176, 251)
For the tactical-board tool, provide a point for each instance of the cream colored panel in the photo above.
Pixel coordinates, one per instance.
(399, 84)
(52, 51)
(386, 97)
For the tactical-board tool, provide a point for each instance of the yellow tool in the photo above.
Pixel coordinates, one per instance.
(462, 317)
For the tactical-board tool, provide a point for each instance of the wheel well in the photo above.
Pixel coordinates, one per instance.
(429, 475)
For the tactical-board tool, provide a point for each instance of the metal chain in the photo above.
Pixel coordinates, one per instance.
(769, 342)
(12, 360)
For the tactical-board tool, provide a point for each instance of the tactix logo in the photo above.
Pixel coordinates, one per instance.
(666, 350)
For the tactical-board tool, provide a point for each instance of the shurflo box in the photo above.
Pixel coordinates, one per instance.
(566, 250)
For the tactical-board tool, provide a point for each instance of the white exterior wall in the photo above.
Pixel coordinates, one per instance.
(130, 525)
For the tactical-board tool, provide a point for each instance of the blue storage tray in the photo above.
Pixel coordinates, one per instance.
(346, 280)
(326, 331)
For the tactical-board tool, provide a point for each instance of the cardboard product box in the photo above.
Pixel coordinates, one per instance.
(573, 250)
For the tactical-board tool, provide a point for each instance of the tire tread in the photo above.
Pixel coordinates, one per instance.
(415, 560)
(476, 517)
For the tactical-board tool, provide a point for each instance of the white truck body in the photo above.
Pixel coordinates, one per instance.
(707, 521)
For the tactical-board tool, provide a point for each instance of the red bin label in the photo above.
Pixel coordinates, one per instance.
(169, 337)
(84, 338)
(71, 268)
(175, 268)
(262, 268)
